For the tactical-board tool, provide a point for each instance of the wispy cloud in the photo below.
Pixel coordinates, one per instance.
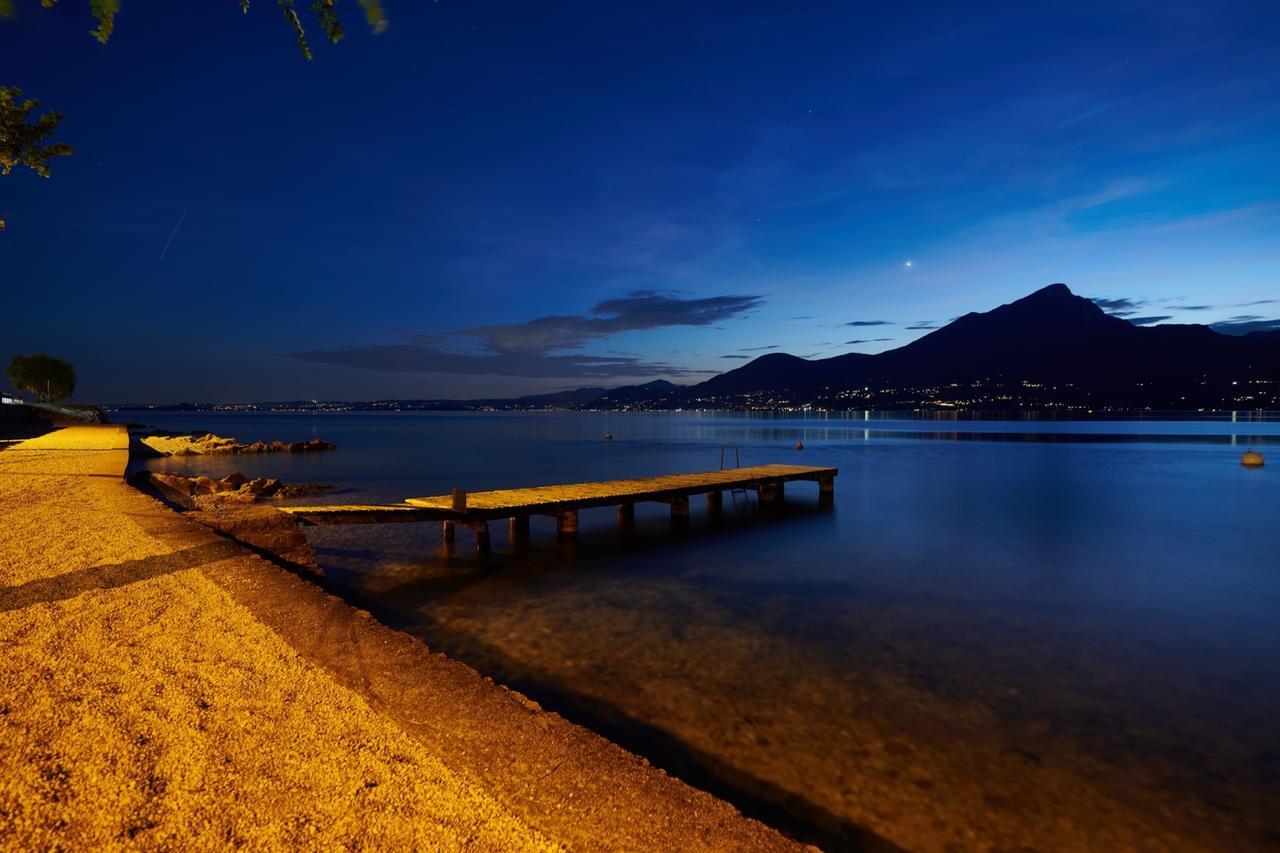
(642, 309)
(1218, 217)
(1243, 324)
(1127, 307)
(867, 341)
(758, 349)
(923, 325)
(869, 323)
(1114, 191)
(1114, 306)
(418, 358)
(1124, 306)
(736, 356)
(535, 348)
(1148, 321)
(1087, 114)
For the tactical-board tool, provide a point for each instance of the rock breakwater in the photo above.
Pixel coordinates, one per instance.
(209, 443)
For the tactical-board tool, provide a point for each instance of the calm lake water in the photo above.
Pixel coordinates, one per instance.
(1005, 634)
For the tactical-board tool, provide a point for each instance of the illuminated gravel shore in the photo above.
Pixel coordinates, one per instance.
(162, 687)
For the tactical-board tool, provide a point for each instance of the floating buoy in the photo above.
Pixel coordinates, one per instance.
(799, 445)
(608, 436)
(1252, 459)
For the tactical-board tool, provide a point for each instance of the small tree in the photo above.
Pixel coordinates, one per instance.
(47, 377)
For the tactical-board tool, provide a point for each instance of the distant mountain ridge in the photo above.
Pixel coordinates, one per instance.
(1051, 349)
(584, 397)
(1051, 338)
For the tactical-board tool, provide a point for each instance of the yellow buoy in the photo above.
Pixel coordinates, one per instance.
(1252, 459)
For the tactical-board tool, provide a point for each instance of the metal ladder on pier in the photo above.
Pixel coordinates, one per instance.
(737, 463)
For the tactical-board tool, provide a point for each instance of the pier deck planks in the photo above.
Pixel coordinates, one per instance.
(327, 514)
(504, 503)
(546, 499)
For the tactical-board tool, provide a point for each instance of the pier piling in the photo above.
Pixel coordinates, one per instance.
(680, 510)
(518, 530)
(770, 494)
(481, 529)
(567, 524)
(826, 491)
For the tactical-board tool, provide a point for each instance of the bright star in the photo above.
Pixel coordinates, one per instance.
(908, 264)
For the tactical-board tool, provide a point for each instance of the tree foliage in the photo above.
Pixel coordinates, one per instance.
(325, 11)
(47, 377)
(21, 139)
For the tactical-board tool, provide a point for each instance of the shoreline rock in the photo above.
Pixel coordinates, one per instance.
(166, 443)
(230, 506)
(262, 528)
(232, 489)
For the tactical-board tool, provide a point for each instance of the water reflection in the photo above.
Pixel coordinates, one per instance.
(1065, 641)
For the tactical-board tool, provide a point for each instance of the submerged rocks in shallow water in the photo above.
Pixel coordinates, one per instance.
(230, 506)
(233, 488)
(262, 528)
(302, 490)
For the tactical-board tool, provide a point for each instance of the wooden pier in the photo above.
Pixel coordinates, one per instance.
(563, 503)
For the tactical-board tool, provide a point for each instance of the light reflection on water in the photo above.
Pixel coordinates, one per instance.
(1065, 642)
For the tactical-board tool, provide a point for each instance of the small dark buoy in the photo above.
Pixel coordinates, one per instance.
(608, 436)
(1252, 459)
(799, 445)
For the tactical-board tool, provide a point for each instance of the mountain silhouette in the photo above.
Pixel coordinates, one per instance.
(657, 391)
(601, 398)
(563, 399)
(1050, 344)
(1049, 350)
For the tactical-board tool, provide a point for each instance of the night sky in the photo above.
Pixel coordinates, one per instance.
(502, 198)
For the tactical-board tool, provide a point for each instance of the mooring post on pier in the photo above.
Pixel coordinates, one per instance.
(626, 517)
(567, 524)
(826, 491)
(518, 530)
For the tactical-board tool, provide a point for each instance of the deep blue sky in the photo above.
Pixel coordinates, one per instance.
(498, 198)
